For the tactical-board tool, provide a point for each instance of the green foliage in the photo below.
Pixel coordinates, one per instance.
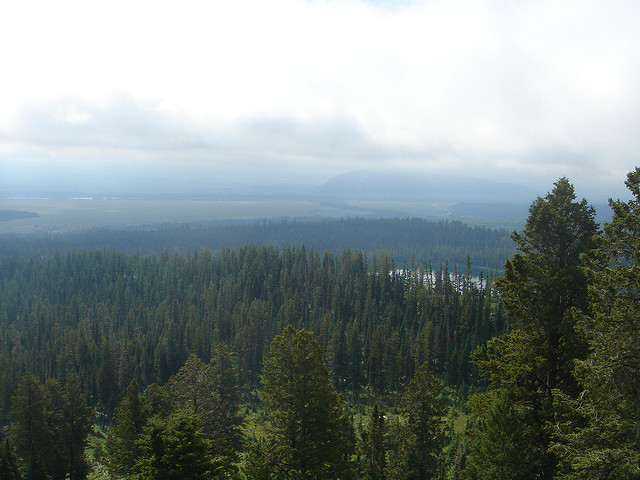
(78, 419)
(29, 427)
(398, 449)
(598, 436)
(565, 385)
(374, 446)
(129, 420)
(54, 459)
(509, 359)
(174, 449)
(158, 400)
(542, 289)
(229, 438)
(50, 425)
(210, 392)
(112, 317)
(8, 463)
(193, 388)
(424, 433)
(311, 437)
(142, 439)
(543, 284)
(501, 446)
(405, 239)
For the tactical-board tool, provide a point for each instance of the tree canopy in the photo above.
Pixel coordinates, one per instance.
(542, 289)
(599, 437)
(236, 364)
(311, 437)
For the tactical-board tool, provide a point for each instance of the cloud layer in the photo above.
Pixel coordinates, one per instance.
(524, 91)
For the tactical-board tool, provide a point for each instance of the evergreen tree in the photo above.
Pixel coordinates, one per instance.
(174, 449)
(158, 400)
(55, 459)
(311, 437)
(424, 433)
(68, 420)
(227, 436)
(8, 463)
(193, 387)
(123, 448)
(500, 445)
(599, 437)
(107, 386)
(375, 446)
(29, 428)
(542, 287)
(398, 447)
(209, 391)
(78, 422)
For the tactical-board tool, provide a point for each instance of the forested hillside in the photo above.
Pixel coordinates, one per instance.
(403, 239)
(113, 317)
(264, 362)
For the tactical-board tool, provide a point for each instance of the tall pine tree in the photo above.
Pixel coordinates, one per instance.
(374, 443)
(78, 426)
(29, 427)
(210, 392)
(311, 437)
(501, 443)
(543, 286)
(130, 418)
(425, 428)
(174, 449)
(599, 438)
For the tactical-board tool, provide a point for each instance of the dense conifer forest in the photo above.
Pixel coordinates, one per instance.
(112, 317)
(291, 362)
(403, 239)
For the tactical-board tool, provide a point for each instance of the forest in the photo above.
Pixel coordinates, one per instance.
(403, 239)
(276, 361)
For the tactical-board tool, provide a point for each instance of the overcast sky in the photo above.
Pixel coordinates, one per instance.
(288, 90)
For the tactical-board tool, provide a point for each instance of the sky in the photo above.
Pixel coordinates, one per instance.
(290, 91)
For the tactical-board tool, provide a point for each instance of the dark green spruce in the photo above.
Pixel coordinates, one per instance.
(542, 289)
(310, 436)
(598, 436)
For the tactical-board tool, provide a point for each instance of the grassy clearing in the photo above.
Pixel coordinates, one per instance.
(95, 453)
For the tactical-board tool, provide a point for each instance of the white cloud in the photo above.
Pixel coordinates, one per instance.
(483, 86)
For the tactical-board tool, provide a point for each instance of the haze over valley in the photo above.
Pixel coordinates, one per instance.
(319, 239)
(368, 194)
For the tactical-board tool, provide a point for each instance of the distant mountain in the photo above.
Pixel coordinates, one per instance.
(409, 186)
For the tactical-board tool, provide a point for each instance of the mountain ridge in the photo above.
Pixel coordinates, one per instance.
(421, 186)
